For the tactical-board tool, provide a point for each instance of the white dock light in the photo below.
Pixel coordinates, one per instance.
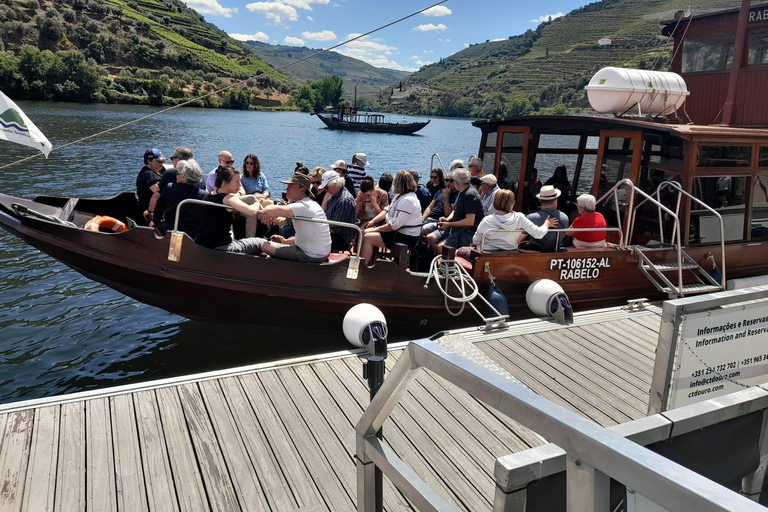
(365, 326)
(547, 298)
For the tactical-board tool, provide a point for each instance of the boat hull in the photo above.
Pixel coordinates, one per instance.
(236, 289)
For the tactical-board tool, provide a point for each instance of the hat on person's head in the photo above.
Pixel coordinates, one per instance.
(327, 177)
(361, 157)
(548, 193)
(489, 179)
(339, 164)
(154, 154)
(191, 174)
(300, 179)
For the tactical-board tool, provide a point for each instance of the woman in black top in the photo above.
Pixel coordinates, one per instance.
(216, 223)
(436, 182)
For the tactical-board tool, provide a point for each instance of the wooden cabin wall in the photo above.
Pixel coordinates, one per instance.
(708, 93)
(751, 104)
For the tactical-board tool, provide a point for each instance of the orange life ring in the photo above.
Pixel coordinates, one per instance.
(103, 223)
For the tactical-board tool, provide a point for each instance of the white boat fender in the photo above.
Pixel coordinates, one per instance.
(547, 298)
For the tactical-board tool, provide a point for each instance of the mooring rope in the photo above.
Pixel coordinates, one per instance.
(235, 84)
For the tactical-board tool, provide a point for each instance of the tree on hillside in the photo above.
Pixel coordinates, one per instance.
(329, 91)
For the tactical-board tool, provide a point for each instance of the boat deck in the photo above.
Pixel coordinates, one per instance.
(280, 437)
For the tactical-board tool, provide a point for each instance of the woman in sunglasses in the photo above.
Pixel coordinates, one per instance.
(436, 181)
(256, 189)
(254, 182)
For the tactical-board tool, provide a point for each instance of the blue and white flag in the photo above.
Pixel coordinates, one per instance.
(16, 127)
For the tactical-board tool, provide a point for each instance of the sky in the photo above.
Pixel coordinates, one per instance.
(420, 40)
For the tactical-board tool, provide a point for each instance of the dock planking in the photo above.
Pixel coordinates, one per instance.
(280, 437)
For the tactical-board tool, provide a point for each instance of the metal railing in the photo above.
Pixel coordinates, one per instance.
(432, 163)
(594, 454)
(554, 230)
(632, 191)
(358, 235)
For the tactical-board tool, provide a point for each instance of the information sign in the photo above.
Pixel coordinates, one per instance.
(719, 352)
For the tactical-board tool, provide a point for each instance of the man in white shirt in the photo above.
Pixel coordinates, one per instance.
(312, 242)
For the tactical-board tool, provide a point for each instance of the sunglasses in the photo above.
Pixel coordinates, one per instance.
(229, 162)
(250, 163)
(449, 180)
(434, 177)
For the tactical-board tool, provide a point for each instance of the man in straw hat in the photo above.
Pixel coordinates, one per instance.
(312, 242)
(548, 197)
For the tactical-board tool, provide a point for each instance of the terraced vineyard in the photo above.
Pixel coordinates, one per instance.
(558, 56)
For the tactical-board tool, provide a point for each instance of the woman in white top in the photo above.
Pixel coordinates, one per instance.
(511, 222)
(403, 219)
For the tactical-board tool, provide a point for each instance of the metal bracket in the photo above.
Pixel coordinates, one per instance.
(633, 304)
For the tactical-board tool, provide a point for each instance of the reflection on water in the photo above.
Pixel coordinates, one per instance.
(62, 333)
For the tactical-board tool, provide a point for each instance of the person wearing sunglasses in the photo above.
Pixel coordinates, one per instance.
(225, 160)
(436, 181)
(147, 183)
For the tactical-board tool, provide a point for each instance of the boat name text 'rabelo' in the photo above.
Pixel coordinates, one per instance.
(579, 268)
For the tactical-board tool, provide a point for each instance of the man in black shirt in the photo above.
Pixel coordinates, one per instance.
(147, 182)
(459, 227)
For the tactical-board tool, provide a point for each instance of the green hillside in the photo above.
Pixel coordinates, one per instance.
(546, 66)
(368, 79)
(126, 51)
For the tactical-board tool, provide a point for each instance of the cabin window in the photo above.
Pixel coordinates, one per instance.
(511, 163)
(726, 194)
(563, 150)
(759, 228)
(670, 154)
(758, 47)
(715, 54)
(490, 140)
(763, 157)
(617, 163)
(724, 156)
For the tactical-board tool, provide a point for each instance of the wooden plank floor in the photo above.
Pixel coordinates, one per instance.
(282, 438)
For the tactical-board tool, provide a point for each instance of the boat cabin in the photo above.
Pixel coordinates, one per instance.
(706, 47)
(723, 168)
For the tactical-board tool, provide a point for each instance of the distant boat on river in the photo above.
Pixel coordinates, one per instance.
(348, 118)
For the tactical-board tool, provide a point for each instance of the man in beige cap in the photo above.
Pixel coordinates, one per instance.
(548, 197)
(312, 242)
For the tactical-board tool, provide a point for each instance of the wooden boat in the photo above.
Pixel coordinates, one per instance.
(211, 285)
(349, 119)
(679, 198)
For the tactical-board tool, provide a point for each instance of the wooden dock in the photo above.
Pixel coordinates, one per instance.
(280, 437)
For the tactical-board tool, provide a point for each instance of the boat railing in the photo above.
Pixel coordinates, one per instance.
(555, 230)
(358, 234)
(676, 186)
(432, 162)
(594, 454)
(632, 191)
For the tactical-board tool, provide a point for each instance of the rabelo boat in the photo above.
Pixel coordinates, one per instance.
(680, 200)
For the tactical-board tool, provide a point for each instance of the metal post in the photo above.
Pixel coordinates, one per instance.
(587, 489)
(373, 370)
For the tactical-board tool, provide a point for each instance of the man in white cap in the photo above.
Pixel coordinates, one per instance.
(488, 189)
(340, 166)
(548, 197)
(356, 170)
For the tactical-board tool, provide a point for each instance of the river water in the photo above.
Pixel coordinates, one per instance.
(61, 333)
